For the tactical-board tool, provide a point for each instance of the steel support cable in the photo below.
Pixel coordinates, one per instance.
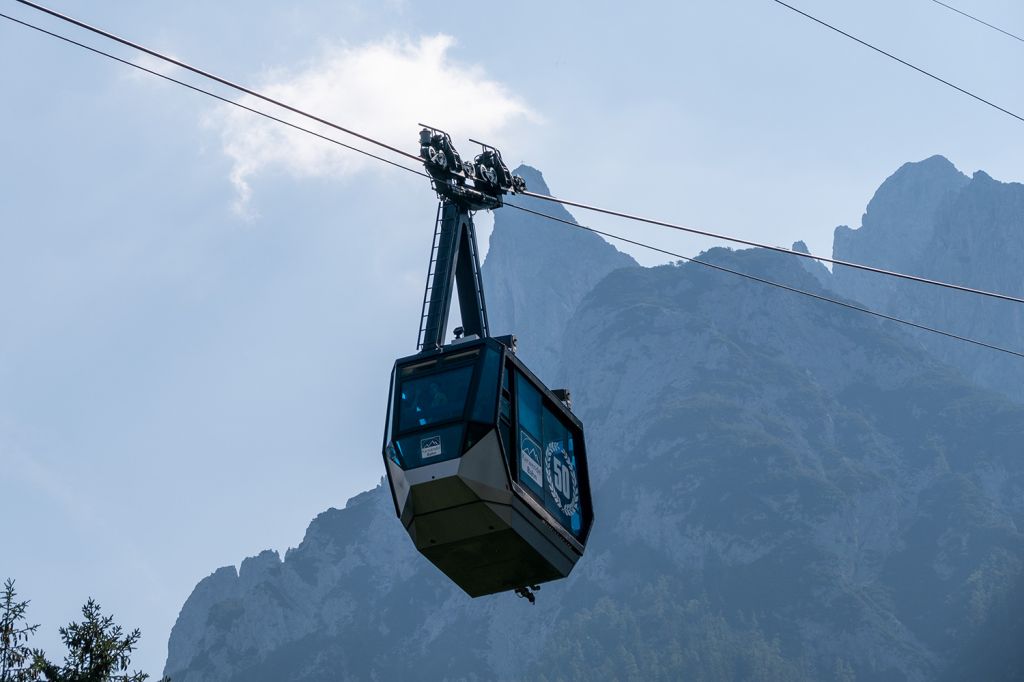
(779, 249)
(619, 214)
(216, 78)
(212, 94)
(892, 56)
(521, 208)
(419, 160)
(980, 21)
(769, 282)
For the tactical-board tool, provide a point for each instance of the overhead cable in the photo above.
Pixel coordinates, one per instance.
(779, 249)
(980, 21)
(216, 78)
(606, 234)
(349, 131)
(892, 56)
(795, 290)
(212, 94)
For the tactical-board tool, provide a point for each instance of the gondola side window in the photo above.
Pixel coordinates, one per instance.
(531, 453)
(434, 398)
(487, 387)
(561, 473)
(548, 462)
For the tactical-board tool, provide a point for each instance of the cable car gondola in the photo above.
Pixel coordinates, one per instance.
(487, 466)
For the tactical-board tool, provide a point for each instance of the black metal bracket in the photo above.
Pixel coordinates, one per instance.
(527, 592)
(463, 187)
(454, 267)
(476, 185)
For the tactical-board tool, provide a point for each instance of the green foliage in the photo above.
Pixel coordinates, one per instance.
(98, 651)
(15, 654)
(659, 634)
(97, 648)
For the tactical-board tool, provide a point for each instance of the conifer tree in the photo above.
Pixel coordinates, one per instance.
(97, 651)
(15, 655)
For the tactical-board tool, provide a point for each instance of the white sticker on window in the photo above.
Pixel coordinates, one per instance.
(529, 456)
(430, 446)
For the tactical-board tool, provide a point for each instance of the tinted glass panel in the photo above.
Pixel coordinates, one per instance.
(433, 398)
(550, 461)
(486, 399)
(528, 399)
(529, 447)
(530, 462)
(562, 489)
(427, 447)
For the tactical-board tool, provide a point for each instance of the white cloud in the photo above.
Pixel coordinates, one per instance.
(379, 89)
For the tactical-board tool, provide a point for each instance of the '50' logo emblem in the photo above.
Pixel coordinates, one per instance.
(562, 483)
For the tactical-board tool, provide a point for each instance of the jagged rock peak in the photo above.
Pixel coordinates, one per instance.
(931, 220)
(934, 169)
(816, 268)
(898, 224)
(904, 205)
(255, 568)
(528, 253)
(534, 179)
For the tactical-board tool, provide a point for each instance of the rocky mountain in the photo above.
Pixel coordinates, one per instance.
(799, 466)
(930, 220)
(535, 276)
(784, 490)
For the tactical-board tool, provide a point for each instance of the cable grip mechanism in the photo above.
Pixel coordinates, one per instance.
(474, 185)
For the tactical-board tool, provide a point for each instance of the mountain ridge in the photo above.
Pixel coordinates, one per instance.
(930, 220)
(782, 488)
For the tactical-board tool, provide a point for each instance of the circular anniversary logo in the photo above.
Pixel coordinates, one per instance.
(561, 474)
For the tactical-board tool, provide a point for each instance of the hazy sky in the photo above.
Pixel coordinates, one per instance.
(199, 310)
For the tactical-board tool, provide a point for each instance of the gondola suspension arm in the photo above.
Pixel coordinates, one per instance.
(462, 187)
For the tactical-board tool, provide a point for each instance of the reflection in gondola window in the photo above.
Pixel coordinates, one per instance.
(433, 398)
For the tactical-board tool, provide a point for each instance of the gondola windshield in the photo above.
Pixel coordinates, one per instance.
(434, 398)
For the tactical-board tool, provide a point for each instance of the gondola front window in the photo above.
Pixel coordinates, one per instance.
(433, 398)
